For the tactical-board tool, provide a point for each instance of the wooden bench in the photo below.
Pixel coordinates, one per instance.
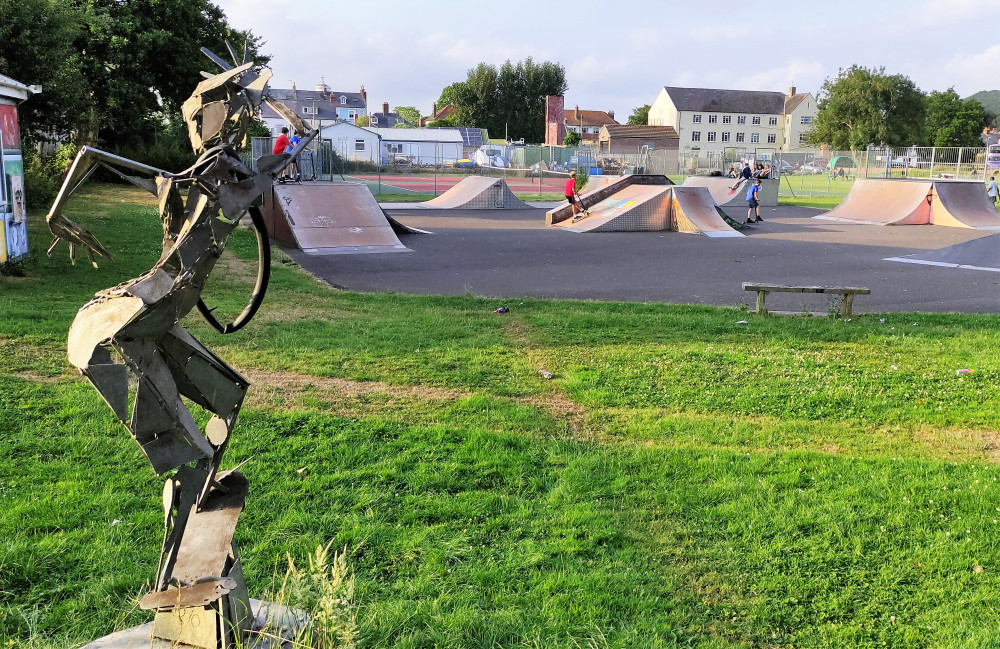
(841, 298)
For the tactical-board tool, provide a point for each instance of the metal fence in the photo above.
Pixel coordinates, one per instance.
(960, 163)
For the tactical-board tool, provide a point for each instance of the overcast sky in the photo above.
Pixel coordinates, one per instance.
(618, 55)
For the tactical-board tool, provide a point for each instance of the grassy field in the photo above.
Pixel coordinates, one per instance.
(684, 480)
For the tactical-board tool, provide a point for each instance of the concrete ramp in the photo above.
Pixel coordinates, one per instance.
(963, 204)
(328, 219)
(478, 193)
(720, 188)
(596, 182)
(693, 210)
(634, 208)
(604, 190)
(640, 208)
(881, 201)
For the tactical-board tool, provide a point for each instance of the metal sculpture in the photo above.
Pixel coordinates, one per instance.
(199, 595)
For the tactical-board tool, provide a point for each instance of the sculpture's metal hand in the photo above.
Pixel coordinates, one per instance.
(63, 229)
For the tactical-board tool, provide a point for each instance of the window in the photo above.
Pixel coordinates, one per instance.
(696, 136)
(374, 120)
(711, 136)
(727, 119)
(802, 138)
(771, 138)
(725, 136)
(394, 148)
(343, 99)
(741, 119)
(807, 119)
(307, 110)
(756, 120)
(712, 119)
(772, 121)
(696, 119)
(755, 137)
(740, 137)
(352, 115)
(359, 145)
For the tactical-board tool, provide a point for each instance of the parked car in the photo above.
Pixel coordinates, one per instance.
(584, 162)
(812, 168)
(784, 167)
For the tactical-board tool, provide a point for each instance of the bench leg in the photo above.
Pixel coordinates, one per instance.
(761, 297)
(846, 305)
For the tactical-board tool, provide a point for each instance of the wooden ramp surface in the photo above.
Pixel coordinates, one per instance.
(478, 193)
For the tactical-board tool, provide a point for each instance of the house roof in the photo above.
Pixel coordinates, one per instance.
(324, 110)
(444, 112)
(791, 103)
(641, 131)
(386, 120)
(578, 117)
(726, 101)
(341, 124)
(418, 134)
(351, 99)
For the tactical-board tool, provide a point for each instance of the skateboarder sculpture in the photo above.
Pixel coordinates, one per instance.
(199, 594)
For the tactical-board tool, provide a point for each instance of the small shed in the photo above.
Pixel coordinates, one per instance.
(13, 218)
(628, 138)
(421, 146)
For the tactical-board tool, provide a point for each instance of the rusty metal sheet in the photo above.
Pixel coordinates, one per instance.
(200, 594)
(206, 543)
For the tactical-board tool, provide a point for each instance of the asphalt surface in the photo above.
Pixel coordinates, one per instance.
(511, 253)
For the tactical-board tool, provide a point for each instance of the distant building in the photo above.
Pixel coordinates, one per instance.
(419, 145)
(352, 142)
(714, 120)
(316, 106)
(626, 138)
(559, 121)
(385, 119)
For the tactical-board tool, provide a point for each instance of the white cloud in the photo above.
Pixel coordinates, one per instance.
(973, 72)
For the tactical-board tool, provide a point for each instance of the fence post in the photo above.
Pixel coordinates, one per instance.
(933, 155)
(958, 165)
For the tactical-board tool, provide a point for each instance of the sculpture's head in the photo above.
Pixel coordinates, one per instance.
(221, 107)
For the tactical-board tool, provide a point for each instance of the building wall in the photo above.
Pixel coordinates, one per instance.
(795, 129)
(421, 152)
(352, 142)
(662, 111)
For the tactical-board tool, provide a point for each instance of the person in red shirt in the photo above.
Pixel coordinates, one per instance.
(571, 196)
(282, 142)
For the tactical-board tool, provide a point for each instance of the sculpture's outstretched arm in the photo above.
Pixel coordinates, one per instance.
(87, 160)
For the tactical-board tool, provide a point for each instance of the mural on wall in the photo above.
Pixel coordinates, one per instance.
(10, 135)
(13, 226)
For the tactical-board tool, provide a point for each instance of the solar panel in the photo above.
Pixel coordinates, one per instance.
(471, 136)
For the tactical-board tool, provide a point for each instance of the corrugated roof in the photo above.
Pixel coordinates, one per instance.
(418, 134)
(709, 100)
(640, 130)
(791, 103)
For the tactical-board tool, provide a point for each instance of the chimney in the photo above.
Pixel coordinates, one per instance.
(364, 95)
(385, 108)
(791, 90)
(434, 109)
(611, 114)
(576, 112)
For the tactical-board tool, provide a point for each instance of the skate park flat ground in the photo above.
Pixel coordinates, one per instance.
(512, 253)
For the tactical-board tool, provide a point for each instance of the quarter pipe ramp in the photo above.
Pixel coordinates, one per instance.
(478, 193)
(330, 218)
(883, 201)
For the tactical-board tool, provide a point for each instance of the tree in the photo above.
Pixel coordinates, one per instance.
(362, 120)
(861, 107)
(509, 100)
(38, 46)
(142, 59)
(639, 116)
(572, 138)
(953, 121)
(410, 114)
(448, 95)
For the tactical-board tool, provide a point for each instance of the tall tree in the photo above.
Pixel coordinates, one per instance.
(410, 114)
(639, 116)
(953, 121)
(861, 107)
(509, 100)
(38, 46)
(143, 59)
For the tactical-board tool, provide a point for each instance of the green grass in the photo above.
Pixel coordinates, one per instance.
(682, 481)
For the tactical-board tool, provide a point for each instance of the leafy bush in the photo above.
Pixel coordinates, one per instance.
(41, 181)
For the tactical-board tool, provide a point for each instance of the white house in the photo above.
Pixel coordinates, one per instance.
(352, 142)
(714, 120)
(318, 106)
(420, 145)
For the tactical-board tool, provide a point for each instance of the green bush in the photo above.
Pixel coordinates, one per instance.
(41, 182)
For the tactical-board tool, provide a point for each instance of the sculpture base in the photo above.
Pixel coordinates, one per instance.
(276, 621)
